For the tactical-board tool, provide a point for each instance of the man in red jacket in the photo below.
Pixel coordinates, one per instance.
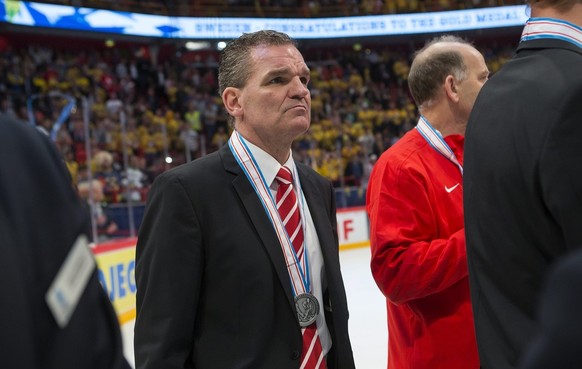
(414, 202)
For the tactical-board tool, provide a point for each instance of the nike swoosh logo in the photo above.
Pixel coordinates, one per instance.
(450, 189)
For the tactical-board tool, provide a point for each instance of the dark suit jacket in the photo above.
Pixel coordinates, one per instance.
(558, 342)
(523, 190)
(212, 287)
(40, 218)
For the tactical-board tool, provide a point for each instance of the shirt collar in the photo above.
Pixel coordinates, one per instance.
(550, 28)
(268, 165)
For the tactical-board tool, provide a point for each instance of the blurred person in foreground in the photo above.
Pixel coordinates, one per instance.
(414, 202)
(54, 313)
(223, 281)
(523, 182)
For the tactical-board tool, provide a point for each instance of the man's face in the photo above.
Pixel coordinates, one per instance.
(477, 75)
(275, 102)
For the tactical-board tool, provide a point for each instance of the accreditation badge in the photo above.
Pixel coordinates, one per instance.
(70, 282)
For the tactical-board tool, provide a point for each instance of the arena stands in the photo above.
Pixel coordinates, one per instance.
(282, 8)
(155, 106)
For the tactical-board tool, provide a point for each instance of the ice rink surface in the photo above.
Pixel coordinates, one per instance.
(368, 331)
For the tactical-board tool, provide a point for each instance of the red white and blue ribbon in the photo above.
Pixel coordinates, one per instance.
(550, 28)
(298, 271)
(435, 139)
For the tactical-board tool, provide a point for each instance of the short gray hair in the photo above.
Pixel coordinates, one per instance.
(430, 69)
(234, 65)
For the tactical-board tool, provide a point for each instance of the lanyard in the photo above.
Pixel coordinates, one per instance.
(435, 139)
(298, 272)
(544, 28)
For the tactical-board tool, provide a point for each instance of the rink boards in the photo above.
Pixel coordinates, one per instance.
(116, 260)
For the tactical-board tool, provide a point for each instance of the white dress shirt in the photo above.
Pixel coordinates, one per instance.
(269, 168)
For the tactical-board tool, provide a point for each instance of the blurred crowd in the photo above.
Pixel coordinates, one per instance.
(145, 115)
(283, 8)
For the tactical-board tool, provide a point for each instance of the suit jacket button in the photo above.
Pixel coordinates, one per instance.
(295, 355)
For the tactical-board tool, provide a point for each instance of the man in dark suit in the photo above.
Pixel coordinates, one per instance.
(523, 182)
(53, 311)
(220, 280)
(558, 343)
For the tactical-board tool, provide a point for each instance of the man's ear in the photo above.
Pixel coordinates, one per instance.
(231, 100)
(451, 88)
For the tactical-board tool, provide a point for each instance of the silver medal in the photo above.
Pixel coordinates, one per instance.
(307, 308)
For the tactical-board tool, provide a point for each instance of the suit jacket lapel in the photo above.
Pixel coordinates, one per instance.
(260, 220)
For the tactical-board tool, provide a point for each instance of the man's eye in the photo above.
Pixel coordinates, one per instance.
(277, 80)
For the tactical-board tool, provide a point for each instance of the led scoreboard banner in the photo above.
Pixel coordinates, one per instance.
(33, 14)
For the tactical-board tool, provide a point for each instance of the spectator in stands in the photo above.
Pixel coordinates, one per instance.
(71, 163)
(104, 167)
(48, 322)
(92, 195)
(113, 105)
(220, 137)
(368, 166)
(414, 202)
(134, 180)
(190, 141)
(289, 8)
(523, 182)
(45, 126)
(213, 287)
(193, 117)
(342, 81)
(209, 116)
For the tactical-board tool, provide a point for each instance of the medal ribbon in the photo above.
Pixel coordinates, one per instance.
(298, 272)
(544, 28)
(435, 139)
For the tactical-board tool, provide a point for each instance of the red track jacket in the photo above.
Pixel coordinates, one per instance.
(414, 202)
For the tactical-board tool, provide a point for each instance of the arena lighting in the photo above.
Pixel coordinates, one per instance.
(220, 45)
(196, 45)
(211, 28)
(169, 160)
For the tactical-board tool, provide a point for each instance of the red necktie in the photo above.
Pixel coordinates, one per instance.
(312, 353)
(289, 209)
